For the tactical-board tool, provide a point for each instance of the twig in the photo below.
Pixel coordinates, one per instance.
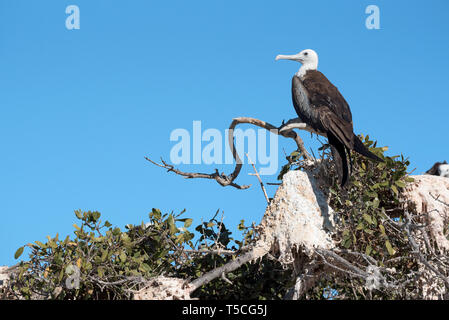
(437, 198)
(258, 177)
(417, 251)
(223, 277)
(222, 179)
(354, 270)
(212, 251)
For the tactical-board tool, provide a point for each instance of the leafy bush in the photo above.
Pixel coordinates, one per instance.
(104, 262)
(107, 261)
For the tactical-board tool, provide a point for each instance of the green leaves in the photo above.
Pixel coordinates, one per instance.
(368, 218)
(367, 206)
(389, 247)
(188, 223)
(382, 230)
(368, 250)
(292, 160)
(94, 216)
(171, 225)
(395, 190)
(155, 214)
(79, 214)
(101, 251)
(18, 253)
(40, 244)
(347, 239)
(400, 183)
(122, 256)
(104, 255)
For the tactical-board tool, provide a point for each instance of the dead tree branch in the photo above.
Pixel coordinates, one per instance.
(228, 180)
(222, 179)
(259, 178)
(257, 251)
(407, 226)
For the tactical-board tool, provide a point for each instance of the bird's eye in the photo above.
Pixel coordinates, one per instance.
(306, 53)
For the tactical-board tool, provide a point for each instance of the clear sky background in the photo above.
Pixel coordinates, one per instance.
(80, 109)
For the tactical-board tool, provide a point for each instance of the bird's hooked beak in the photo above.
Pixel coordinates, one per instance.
(294, 57)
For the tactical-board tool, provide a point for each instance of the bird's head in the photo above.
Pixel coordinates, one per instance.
(308, 58)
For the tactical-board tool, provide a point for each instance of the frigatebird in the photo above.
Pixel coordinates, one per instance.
(439, 169)
(321, 106)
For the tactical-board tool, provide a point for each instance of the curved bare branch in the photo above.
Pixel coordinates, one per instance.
(228, 180)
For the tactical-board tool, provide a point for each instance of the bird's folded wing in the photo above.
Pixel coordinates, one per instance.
(341, 129)
(321, 92)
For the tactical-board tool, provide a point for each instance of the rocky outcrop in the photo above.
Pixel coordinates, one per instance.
(428, 197)
(163, 288)
(297, 221)
(298, 217)
(4, 275)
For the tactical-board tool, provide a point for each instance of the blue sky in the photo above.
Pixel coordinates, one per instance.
(80, 109)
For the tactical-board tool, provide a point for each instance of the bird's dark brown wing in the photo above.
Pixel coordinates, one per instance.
(322, 93)
(341, 129)
(333, 112)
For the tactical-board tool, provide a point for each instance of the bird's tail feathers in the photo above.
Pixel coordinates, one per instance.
(363, 150)
(340, 159)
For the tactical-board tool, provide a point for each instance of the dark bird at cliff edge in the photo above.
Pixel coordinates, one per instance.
(321, 106)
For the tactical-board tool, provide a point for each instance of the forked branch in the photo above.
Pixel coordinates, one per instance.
(228, 180)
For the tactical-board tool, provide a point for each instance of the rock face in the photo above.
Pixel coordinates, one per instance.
(4, 275)
(298, 217)
(163, 288)
(429, 195)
